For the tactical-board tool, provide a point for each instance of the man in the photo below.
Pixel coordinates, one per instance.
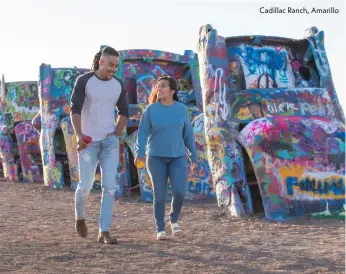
(93, 101)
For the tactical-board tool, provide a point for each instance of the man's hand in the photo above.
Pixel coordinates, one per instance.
(140, 162)
(80, 142)
(116, 133)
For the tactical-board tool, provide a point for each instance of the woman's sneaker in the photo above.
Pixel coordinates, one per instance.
(161, 235)
(175, 229)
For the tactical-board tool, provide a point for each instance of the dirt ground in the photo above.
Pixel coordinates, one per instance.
(37, 236)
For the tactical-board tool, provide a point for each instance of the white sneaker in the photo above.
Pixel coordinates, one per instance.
(161, 235)
(175, 229)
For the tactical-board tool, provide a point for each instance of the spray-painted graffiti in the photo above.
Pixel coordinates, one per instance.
(145, 185)
(281, 106)
(22, 99)
(224, 155)
(29, 151)
(316, 52)
(140, 68)
(264, 67)
(71, 150)
(248, 105)
(295, 158)
(7, 158)
(200, 183)
(19, 102)
(145, 76)
(327, 187)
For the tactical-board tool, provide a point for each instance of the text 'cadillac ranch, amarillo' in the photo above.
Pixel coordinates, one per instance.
(290, 10)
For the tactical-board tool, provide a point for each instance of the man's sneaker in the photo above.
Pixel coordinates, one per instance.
(106, 238)
(175, 229)
(81, 228)
(161, 235)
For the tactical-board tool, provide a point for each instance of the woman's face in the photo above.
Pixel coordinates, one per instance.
(163, 90)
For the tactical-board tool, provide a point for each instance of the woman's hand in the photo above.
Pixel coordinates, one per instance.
(193, 166)
(140, 162)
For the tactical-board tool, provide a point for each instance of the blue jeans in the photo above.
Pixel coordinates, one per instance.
(159, 169)
(107, 152)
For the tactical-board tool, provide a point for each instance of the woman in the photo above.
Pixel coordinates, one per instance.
(164, 134)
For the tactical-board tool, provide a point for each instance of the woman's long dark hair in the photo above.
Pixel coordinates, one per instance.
(172, 84)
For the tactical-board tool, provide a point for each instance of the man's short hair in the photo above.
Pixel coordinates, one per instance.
(107, 50)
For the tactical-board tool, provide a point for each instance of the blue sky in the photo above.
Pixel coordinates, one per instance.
(69, 32)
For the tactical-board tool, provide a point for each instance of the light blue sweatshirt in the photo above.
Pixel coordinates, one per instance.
(166, 131)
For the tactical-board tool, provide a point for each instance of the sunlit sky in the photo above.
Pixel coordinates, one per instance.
(68, 33)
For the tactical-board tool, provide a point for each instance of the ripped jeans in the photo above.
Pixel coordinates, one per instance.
(107, 152)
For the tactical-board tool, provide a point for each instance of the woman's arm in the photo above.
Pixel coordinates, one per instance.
(189, 138)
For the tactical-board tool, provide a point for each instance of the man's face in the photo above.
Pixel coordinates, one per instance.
(109, 65)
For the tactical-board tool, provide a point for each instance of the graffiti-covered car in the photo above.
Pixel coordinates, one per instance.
(55, 87)
(272, 100)
(19, 147)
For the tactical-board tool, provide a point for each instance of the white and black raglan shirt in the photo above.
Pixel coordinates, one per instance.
(96, 100)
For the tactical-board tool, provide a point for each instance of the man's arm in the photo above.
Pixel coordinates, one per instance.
(77, 101)
(123, 110)
(76, 123)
